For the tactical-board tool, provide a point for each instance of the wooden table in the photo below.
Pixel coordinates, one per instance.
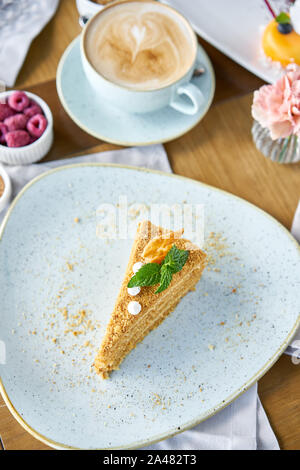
(218, 151)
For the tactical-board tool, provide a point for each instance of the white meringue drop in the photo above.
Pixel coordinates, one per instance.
(134, 307)
(133, 290)
(137, 266)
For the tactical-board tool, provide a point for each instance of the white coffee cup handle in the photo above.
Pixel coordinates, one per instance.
(195, 96)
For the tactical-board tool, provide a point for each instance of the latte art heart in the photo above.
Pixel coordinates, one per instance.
(140, 45)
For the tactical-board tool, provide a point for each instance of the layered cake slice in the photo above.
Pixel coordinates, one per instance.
(162, 268)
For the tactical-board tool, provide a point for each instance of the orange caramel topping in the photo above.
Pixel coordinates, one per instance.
(158, 247)
(283, 48)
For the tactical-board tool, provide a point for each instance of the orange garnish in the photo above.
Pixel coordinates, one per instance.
(284, 48)
(157, 249)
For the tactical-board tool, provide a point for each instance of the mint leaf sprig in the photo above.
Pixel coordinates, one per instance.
(283, 18)
(153, 273)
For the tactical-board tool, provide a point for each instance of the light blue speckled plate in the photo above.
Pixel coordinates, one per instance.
(108, 123)
(219, 340)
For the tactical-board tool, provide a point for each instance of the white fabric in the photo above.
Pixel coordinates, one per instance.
(20, 22)
(241, 425)
(295, 344)
(296, 224)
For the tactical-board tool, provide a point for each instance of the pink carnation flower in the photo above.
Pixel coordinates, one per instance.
(277, 106)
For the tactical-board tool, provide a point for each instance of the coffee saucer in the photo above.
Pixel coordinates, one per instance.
(106, 122)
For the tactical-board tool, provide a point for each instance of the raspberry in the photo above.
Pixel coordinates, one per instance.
(33, 109)
(37, 125)
(17, 138)
(16, 122)
(3, 131)
(18, 100)
(5, 111)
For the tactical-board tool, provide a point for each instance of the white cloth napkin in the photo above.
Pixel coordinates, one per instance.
(296, 224)
(241, 425)
(294, 347)
(20, 22)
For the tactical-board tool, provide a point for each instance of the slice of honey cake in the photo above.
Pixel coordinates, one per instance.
(162, 268)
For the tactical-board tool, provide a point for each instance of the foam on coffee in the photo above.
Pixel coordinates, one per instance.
(140, 45)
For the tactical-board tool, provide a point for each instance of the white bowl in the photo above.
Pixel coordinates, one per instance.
(38, 149)
(87, 8)
(4, 199)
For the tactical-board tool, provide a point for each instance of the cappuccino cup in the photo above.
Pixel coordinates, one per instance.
(140, 56)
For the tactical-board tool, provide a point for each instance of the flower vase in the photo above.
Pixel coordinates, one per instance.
(283, 150)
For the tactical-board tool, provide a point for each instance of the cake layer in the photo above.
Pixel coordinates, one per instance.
(124, 329)
(152, 311)
(150, 320)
